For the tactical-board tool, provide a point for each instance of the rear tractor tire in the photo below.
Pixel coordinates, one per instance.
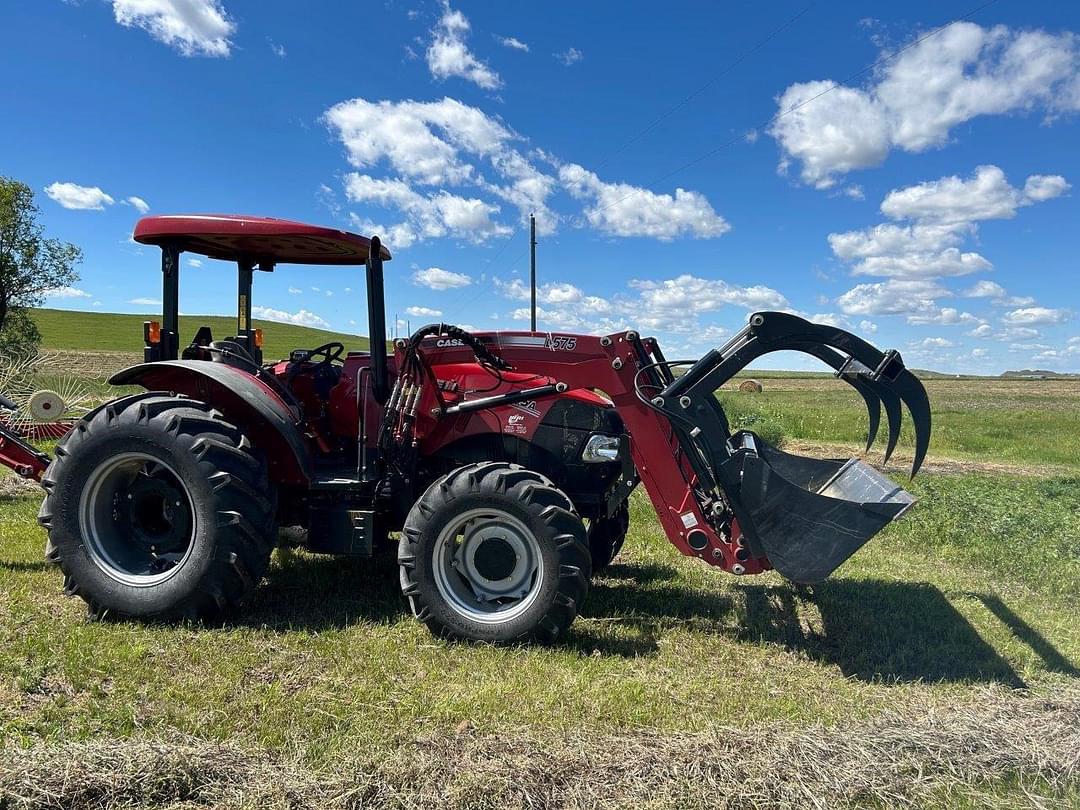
(157, 508)
(494, 552)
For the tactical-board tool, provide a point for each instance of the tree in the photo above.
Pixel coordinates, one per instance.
(30, 265)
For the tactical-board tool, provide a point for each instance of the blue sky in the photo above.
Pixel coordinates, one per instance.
(926, 203)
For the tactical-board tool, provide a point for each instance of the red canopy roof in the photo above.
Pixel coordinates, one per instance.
(260, 239)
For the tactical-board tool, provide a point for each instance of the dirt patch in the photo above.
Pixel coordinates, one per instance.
(900, 463)
(913, 755)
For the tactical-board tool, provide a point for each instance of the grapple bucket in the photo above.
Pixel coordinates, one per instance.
(808, 515)
(804, 515)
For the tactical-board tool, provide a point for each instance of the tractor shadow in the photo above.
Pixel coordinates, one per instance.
(873, 630)
(305, 592)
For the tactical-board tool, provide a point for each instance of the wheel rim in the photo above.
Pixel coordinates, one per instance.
(137, 519)
(488, 566)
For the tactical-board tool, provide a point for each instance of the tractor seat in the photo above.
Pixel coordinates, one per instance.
(232, 353)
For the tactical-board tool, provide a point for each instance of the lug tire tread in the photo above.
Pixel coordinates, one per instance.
(545, 505)
(242, 547)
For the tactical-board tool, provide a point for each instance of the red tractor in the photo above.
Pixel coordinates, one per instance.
(502, 460)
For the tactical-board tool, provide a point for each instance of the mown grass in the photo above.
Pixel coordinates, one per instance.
(968, 602)
(980, 586)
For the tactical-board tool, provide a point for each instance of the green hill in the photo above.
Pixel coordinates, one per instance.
(111, 332)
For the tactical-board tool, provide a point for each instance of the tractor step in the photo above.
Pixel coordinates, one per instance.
(338, 530)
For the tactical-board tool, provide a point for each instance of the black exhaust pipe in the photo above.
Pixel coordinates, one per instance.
(377, 322)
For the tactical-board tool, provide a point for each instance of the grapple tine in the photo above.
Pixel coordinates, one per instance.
(893, 415)
(867, 390)
(913, 393)
(780, 330)
(873, 408)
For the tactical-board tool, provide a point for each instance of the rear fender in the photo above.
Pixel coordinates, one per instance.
(243, 399)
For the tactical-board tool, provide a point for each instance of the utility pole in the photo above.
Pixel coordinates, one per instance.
(532, 267)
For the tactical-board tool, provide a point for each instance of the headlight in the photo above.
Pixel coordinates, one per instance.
(600, 449)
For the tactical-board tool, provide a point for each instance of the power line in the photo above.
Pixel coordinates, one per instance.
(679, 105)
(661, 118)
(773, 119)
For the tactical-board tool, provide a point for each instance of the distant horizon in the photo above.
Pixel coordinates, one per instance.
(821, 371)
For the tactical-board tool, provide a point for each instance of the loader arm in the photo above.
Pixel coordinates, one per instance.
(731, 499)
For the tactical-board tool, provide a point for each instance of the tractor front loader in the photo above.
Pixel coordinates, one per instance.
(502, 461)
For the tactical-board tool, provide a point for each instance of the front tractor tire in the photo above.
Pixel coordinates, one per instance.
(494, 552)
(157, 508)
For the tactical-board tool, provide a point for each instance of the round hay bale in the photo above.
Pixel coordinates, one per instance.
(750, 387)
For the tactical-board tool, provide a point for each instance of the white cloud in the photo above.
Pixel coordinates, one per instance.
(946, 262)
(687, 296)
(983, 330)
(301, 318)
(915, 100)
(830, 134)
(933, 343)
(625, 210)
(680, 306)
(1041, 187)
(424, 312)
(569, 57)
(67, 292)
(986, 195)
(192, 27)
(940, 216)
(443, 144)
(514, 43)
(138, 203)
(295, 291)
(278, 50)
(436, 278)
(433, 216)
(448, 56)
(868, 326)
(943, 316)
(558, 294)
(892, 297)
(997, 294)
(830, 319)
(398, 236)
(78, 198)
(984, 289)
(194, 262)
(1018, 333)
(1036, 315)
(145, 302)
(435, 144)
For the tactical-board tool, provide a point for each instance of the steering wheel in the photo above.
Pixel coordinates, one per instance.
(330, 352)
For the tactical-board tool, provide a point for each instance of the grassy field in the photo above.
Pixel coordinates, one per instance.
(1033, 422)
(110, 332)
(938, 668)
